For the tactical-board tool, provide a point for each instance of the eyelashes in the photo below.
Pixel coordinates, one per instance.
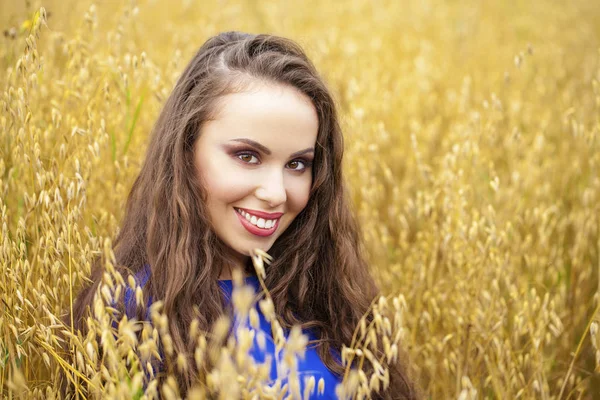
(246, 154)
(253, 158)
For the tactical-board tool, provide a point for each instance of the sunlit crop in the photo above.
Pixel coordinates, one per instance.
(472, 137)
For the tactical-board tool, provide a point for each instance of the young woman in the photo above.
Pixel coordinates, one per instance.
(247, 153)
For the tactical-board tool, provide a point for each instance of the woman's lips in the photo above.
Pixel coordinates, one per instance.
(260, 214)
(255, 230)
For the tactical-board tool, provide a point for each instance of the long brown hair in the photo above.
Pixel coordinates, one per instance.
(319, 277)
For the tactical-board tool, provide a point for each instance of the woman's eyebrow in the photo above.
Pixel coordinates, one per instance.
(302, 152)
(267, 151)
(254, 144)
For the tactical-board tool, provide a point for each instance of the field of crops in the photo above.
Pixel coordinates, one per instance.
(472, 154)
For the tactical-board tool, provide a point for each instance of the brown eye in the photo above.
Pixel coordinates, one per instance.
(296, 165)
(248, 158)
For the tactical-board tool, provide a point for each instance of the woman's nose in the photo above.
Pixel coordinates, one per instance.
(272, 189)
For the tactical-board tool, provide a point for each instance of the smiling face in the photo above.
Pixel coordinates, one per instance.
(254, 160)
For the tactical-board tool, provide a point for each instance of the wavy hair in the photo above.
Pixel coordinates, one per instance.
(319, 277)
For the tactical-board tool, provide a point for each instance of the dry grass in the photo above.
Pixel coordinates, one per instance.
(472, 136)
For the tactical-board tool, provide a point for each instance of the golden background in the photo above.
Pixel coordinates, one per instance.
(472, 155)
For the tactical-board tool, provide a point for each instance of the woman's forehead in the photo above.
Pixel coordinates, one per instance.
(269, 114)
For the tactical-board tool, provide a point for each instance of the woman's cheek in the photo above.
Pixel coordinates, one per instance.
(238, 186)
(227, 182)
(299, 194)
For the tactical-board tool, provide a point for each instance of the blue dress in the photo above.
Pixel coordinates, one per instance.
(311, 365)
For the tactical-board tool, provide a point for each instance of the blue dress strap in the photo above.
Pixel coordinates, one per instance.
(141, 278)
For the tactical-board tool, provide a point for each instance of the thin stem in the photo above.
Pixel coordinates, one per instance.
(587, 328)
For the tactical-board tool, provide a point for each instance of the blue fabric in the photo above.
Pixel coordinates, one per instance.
(311, 365)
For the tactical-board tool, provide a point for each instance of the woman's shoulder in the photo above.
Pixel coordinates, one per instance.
(141, 278)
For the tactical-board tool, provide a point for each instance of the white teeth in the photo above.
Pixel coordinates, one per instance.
(260, 222)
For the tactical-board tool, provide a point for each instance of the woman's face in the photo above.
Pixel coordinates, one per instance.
(254, 161)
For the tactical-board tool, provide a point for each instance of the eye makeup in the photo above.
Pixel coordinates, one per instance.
(240, 151)
(265, 150)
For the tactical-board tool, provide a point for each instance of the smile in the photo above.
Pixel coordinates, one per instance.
(259, 223)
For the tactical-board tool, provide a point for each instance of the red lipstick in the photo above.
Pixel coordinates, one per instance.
(255, 230)
(261, 214)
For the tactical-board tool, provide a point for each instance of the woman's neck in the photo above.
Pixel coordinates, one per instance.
(226, 273)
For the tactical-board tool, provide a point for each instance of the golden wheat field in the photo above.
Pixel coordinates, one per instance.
(472, 154)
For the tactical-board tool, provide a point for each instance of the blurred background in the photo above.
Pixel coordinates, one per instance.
(472, 157)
